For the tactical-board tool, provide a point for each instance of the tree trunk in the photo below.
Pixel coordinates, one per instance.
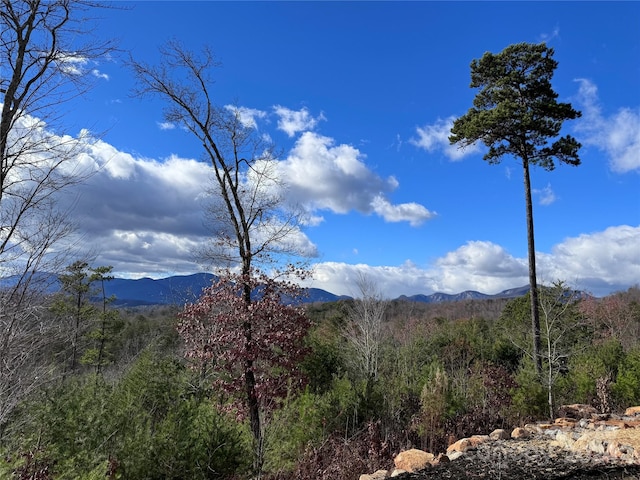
(253, 405)
(254, 419)
(549, 372)
(533, 283)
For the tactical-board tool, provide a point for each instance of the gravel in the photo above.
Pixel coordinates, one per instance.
(513, 460)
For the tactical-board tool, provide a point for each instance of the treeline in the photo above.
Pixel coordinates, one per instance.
(429, 373)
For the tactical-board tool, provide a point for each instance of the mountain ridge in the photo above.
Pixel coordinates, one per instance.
(181, 289)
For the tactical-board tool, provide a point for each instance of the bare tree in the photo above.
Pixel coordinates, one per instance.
(615, 316)
(563, 331)
(561, 328)
(364, 329)
(42, 64)
(248, 216)
(251, 223)
(25, 338)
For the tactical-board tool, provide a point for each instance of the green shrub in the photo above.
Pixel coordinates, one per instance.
(530, 396)
(626, 389)
(585, 368)
(301, 422)
(146, 426)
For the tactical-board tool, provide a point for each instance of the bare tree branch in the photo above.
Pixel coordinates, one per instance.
(45, 57)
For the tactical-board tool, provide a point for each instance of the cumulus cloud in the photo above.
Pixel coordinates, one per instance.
(481, 265)
(143, 216)
(127, 193)
(323, 175)
(412, 212)
(137, 254)
(435, 137)
(340, 278)
(618, 134)
(295, 121)
(76, 65)
(599, 262)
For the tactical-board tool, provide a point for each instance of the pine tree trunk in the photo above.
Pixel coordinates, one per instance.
(533, 284)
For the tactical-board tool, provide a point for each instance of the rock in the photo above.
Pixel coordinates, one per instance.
(581, 442)
(615, 450)
(519, 433)
(564, 422)
(465, 444)
(499, 434)
(461, 446)
(454, 456)
(632, 411)
(577, 410)
(595, 446)
(413, 459)
(629, 437)
(379, 475)
(565, 440)
(478, 439)
(534, 428)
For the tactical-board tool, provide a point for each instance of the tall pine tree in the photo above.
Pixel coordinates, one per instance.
(516, 113)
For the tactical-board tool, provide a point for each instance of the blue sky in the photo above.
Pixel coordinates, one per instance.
(359, 97)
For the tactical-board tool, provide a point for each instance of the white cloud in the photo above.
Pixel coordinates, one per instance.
(435, 137)
(546, 195)
(322, 175)
(340, 278)
(71, 64)
(98, 74)
(166, 125)
(413, 213)
(146, 216)
(128, 193)
(143, 253)
(247, 116)
(600, 263)
(482, 266)
(295, 121)
(618, 135)
(508, 172)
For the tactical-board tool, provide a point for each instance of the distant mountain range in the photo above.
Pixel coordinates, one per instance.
(466, 295)
(181, 289)
(187, 288)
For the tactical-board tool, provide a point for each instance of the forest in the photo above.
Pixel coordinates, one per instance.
(430, 373)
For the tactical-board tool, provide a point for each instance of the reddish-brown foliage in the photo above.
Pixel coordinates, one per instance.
(615, 316)
(339, 458)
(230, 334)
